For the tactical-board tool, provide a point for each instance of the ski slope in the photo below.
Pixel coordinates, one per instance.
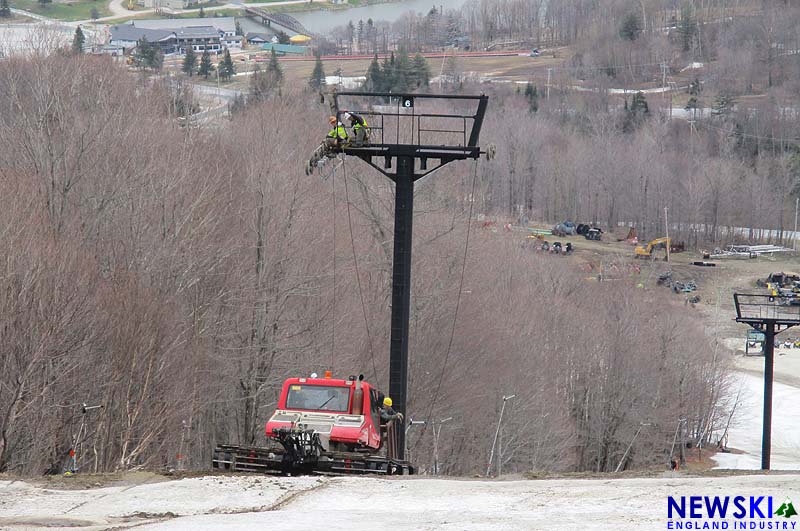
(745, 431)
(347, 503)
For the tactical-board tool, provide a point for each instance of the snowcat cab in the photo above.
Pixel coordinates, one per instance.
(344, 413)
(323, 425)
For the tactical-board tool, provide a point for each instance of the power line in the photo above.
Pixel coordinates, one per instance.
(748, 135)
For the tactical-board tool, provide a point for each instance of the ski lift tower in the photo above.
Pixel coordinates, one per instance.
(409, 133)
(770, 315)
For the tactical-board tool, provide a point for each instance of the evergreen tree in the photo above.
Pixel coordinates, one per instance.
(692, 104)
(317, 80)
(687, 28)
(78, 41)
(635, 113)
(283, 37)
(5, 9)
(148, 55)
(226, 67)
(258, 88)
(403, 78)
(206, 67)
(94, 14)
(639, 104)
(351, 32)
(421, 70)
(202, 13)
(262, 84)
(44, 2)
(631, 27)
(723, 105)
(189, 61)
(695, 87)
(374, 81)
(532, 95)
(274, 70)
(387, 73)
(239, 29)
(156, 57)
(141, 53)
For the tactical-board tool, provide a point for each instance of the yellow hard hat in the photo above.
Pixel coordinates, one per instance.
(387, 402)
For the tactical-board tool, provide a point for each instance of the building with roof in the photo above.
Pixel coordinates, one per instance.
(213, 34)
(225, 25)
(259, 38)
(126, 36)
(168, 4)
(283, 49)
(199, 38)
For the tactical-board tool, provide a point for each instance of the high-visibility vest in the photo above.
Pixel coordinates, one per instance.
(338, 132)
(359, 122)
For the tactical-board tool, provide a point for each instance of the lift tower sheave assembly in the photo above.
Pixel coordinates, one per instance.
(407, 131)
(771, 315)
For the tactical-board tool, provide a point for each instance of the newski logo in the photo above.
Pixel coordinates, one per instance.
(729, 512)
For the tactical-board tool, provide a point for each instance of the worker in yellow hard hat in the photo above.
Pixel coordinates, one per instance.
(333, 143)
(388, 414)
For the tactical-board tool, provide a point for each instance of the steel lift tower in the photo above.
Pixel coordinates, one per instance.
(409, 132)
(771, 315)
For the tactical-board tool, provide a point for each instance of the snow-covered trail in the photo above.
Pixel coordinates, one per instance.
(745, 431)
(255, 502)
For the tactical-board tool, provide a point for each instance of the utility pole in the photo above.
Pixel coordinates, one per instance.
(666, 227)
(794, 236)
(549, 75)
(497, 432)
(628, 449)
(436, 433)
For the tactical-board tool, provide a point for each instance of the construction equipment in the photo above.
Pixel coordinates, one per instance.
(594, 234)
(322, 425)
(565, 228)
(646, 251)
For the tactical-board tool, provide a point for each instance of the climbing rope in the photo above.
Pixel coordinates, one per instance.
(358, 275)
(333, 325)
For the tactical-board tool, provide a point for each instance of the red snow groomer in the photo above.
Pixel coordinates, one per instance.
(321, 425)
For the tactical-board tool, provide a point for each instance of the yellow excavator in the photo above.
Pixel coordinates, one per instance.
(646, 251)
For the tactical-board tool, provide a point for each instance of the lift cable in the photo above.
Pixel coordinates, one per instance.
(455, 313)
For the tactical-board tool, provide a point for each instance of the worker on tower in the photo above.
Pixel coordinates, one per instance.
(388, 414)
(333, 143)
(360, 128)
(337, 135)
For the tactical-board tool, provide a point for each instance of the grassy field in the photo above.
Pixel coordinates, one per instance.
(77, 10)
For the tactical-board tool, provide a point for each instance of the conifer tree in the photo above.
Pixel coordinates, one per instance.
(374, 81)
(78, 41)
(5, 9)
(226, 67)
(274, 70)
(189, 61)
(421, 70)
(206, 67)
(317, 79)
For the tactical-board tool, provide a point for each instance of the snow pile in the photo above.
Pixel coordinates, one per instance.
(745, 432)
(692, 66)
(343, 504)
